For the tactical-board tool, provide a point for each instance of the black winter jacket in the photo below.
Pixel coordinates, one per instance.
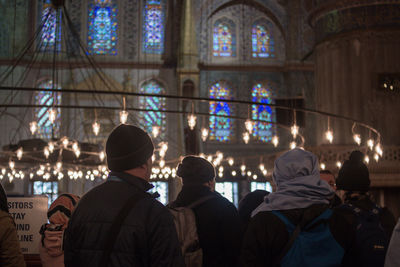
(147, 236)
(218, 226)
(266, 234)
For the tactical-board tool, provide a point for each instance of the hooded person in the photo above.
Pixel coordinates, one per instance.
(50, 247)
(118, 223)
(217, 220)
(249, 203)
(373, 234)
(10, 251)
(280, 229)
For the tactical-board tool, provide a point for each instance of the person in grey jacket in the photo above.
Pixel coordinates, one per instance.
(393, 254)
(147, 235)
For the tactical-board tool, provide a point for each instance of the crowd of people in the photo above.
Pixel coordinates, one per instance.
(311, 219)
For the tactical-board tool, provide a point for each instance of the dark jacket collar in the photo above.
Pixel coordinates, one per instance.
(132, 180)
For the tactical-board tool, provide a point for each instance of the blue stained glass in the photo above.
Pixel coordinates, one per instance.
(262, 42)
(153, 118)
(102, 28)
(153, 27)
(262, 131)
(51, 30)
(224, 38)
(221, 129)
(46, 128)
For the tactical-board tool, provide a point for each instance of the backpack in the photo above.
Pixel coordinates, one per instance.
(311, 245)
(371, 239)
(185, 223)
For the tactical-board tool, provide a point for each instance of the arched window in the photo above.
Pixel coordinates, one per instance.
(262, 41)
(153, 118)
(262, 131)
(153, 26)
(161, 188)
(51, 29)
(228, 190)
(46, 128)
(221, 128)
(102, 27)
(224, 38)
(260, 186)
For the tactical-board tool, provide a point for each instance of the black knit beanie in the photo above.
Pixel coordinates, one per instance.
(128, 147)
(354, 175)
(195, 170)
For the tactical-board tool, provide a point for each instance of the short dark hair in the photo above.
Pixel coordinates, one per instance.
(326, 172)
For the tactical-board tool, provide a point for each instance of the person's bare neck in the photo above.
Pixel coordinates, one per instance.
(138, 172)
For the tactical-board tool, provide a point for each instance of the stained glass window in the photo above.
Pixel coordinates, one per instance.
(260, 186)
(224, 38)
(153, 27)
(154, 117)
(221, 128)
(262, 131)
(50, 189)
(51, 29)
(262, 41)
(102, 28)
(162, 189)
(46, 128)
(228, 190)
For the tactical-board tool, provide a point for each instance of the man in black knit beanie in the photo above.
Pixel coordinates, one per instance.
(118, 223)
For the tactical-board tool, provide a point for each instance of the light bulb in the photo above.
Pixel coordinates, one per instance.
(33, 126)
(357, 139)
(191, 121)
(378, 149)
(233, 173)
(261, 166)
(209, 158)
(329, 136)
(77, 153)
(204, 134)
(75, 146)
(162, 153)
(51, 147)
(376, 157)
(65, 142)
(59, 165)
(385, 85)
(249, 125)
(164, 146)
(246, 137)
(162, 163)
(294, 130)
(292, 145)
(366, 159)
(96, 128)
(275, 140)
(123, 116)
(221, 169)
(20, 152)
(265, 172)
(220, 155)
(370, 144)
(102, 155)
(322, 166)
(243, 168)
(255, 177)
(248, 173)
(11, 164)
(155, 131)
(338, 164)
(231, 161)
(52, 115)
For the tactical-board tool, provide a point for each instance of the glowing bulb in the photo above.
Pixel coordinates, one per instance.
(75, 146)
(329, 136)
(11, 164)
(162, 163)
(255, 176)
(265, 172)
(249, 125)
(376, 157)
(192, 121)
(294, 130)
(77, 153)
(96, 128)
(378, 149)
(322, 166)
(220, 155)
(155, 131)
(246, 137)
(20, 152)
(292, 145)
(51, 147)
(204, 134)
(233, 173)
(65, 142)
(231, 161)
(275, 140)
(391, 87)
(52, 115)
(366, 159)
(33, 126)
(59, 165)
(162, 153)
(243, 168)
(164, 146)
(370, 144)
(338, 164)
(248, 173)
(385, 85)
(102, 155)
(123, 116)
(261, 166)
(357, 139)
(221, 169)
(209, 158)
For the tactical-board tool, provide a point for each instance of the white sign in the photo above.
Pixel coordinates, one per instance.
(29, 214)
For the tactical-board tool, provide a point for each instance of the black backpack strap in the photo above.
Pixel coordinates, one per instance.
(200, 201)
(116, 226)
(286, 248)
